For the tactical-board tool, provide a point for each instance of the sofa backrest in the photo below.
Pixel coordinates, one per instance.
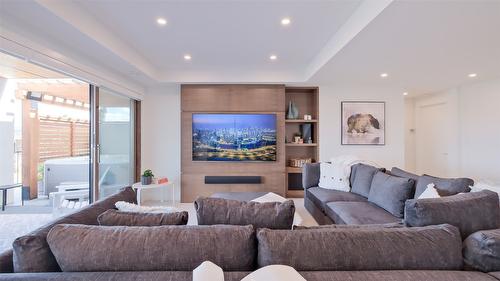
(470, 212)
(345, 249)
(80, 248)
(31, 251)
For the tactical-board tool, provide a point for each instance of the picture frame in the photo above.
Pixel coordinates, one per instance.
(362, 123)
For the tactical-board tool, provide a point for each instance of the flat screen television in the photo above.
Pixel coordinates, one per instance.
(234, 137)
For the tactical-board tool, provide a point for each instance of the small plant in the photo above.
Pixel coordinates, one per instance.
(148, 173)
(147, 177)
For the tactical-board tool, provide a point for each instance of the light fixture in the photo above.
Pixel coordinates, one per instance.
(405, 93)
(384, 75)
(273, 57)
(472, 75)
(187, 57)
(161, 21)
(70, 102)
(285, 21)
(48, 97)
(78, 103)
(59, 100)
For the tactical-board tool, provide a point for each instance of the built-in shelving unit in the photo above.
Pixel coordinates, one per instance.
(306, 100)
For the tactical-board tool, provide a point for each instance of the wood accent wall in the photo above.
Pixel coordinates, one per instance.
(231, 99)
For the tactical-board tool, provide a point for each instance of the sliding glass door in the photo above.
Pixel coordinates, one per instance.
(114, 137)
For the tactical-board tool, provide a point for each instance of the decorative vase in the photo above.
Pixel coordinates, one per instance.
(292, 112)
(146, 180)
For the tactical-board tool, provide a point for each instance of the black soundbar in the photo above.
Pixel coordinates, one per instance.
(232, 179)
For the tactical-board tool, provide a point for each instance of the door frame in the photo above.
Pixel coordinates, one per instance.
(95, 146)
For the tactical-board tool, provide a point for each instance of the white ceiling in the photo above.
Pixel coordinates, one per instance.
(424, 45)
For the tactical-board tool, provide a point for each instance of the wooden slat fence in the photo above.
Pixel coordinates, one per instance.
(63, 139)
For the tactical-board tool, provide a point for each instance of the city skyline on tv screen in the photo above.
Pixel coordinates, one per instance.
(234, 137)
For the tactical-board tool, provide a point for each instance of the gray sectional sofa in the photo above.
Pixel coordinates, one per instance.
(361, 205)
(75, 247)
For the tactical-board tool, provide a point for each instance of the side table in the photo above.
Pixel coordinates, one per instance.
(162, 187)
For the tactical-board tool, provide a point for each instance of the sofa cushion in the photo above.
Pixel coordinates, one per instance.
(358, 213)
(31, 251)
(310, 175)
(117, 248)
(361, 178)
(321, 196)
(394, 275)
(391, 192)
(431, 248)
(6, 265)
(470, 212)
(445, 186)
(276, 215)
(114, 217)
(482, 250)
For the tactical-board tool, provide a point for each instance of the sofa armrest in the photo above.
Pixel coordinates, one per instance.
(481, 250)
(6, 262)
(310, 175)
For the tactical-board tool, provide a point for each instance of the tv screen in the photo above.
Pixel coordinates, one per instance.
(234, 137)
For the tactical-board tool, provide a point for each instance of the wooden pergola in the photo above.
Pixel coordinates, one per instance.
(46, 137)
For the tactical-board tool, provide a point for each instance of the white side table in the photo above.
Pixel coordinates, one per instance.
(162, 187)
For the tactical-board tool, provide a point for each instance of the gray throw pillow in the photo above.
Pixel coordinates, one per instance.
(390, 193)
(361, 178)
(482, 250)
(446, 187)
(436, 247)
(86, 248)
(274, 215)
(470, 212)
(115, 217)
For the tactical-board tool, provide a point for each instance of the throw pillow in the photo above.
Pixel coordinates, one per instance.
(390, 193)
(361, 178)
(274, 215)
(334, 176)
(128, 207)
(114, 217)
(445, 187)
(430, 192)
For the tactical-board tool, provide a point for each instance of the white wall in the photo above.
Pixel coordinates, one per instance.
(469, 126)
(479, 108)
(389, 155)
(161, 133)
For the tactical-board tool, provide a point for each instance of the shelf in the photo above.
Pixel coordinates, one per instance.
(293, 170)
(300, 121)
(301, 144)
(291, 193)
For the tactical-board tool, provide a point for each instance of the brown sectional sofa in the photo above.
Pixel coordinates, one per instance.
(323, 253)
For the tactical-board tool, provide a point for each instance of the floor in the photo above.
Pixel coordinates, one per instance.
(17, 220)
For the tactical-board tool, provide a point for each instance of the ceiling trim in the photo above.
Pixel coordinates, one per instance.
(90, 26)
(14, 44)
(362, 16)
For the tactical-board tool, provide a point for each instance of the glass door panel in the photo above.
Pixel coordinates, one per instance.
(115, 143)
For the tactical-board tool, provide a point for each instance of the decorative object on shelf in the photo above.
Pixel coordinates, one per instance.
(299, 162)
(162, 180)
(363, 123)
(297, 138)
(307, 117)
(306, 130)
(292, 112)
(147, 177)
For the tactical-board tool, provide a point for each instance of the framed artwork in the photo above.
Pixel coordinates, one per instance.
(363, 123)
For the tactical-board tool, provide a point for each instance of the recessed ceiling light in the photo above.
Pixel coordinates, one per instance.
(472, 75)
(384, 75)
(285, 21)
(187, 57)
(273, 57)
(161, 21)
(405, 93)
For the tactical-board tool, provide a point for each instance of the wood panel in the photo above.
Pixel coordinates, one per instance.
(231, 99)
(193, 185)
